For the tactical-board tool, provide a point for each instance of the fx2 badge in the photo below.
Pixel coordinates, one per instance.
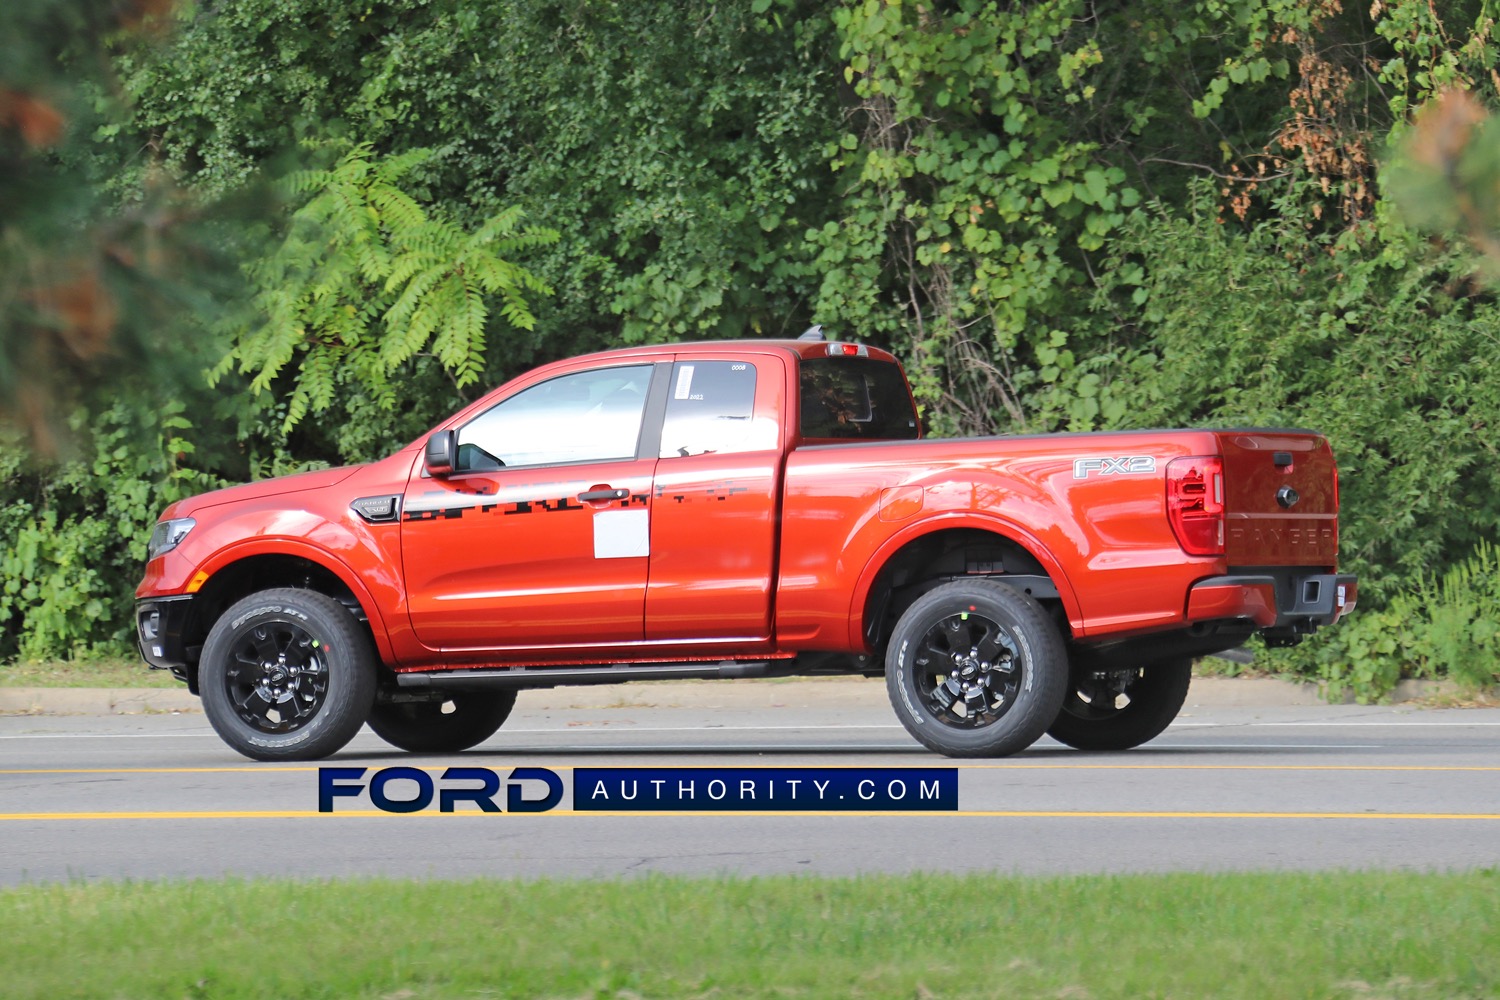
(1124, 465)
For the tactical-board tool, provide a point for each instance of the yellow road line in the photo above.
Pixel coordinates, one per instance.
(1232, 767)
(433, 768)
(992, 814)
(165, 769)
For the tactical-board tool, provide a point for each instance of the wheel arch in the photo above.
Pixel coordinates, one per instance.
(949, 547)
(233, 576)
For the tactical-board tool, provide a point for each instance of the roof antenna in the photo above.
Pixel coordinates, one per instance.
(814, 332)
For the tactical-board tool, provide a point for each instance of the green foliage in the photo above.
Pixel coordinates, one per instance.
(962, 194)
(1430, 55)
(366, 279)
(91, 290)
(995, 148)
(962, 182)
(1378, 340)
(99, 338)
(73, 536)
(1437, 626)
(1445, 174)
(676, 148)
(1462, 614)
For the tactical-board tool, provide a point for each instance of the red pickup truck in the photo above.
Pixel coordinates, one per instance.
(742, 509)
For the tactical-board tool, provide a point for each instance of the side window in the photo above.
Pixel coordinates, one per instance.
(592, 416)
(711, 408)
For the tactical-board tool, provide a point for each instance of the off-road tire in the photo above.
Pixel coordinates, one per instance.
(976, 669)
(1095, 716)
(424, 727)
(287, 674)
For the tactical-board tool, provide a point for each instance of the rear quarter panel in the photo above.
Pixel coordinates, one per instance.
(1101, 531)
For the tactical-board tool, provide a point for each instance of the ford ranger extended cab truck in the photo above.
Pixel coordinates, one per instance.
(734, 510)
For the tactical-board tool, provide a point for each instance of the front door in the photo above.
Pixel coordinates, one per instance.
(541, 535)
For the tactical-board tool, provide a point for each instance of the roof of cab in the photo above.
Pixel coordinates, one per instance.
(805, 349)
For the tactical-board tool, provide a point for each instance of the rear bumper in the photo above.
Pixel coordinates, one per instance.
(1281, 599)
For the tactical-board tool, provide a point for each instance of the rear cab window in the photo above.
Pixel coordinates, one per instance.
(858, 399)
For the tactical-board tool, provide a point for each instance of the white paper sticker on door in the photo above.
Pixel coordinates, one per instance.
(622, 534)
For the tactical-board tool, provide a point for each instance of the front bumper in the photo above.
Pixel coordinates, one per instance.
(1275, 599)
(160, 626)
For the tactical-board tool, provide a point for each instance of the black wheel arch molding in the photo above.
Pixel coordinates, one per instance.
(171, 629)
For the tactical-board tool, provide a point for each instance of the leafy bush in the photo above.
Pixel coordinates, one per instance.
(367, 278)
(1440, 626)
(1376, 339)
(678, 148)
(73, 536)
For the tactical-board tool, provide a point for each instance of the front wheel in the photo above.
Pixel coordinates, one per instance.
(466, 719)
(1122, 708)
(287, 674)
(976, 669)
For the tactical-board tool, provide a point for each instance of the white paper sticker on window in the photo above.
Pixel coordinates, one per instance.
(622, 534)
(684, 382)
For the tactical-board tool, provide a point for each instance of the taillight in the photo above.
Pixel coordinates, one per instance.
(1195, 504)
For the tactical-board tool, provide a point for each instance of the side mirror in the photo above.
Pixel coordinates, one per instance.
(442, 449)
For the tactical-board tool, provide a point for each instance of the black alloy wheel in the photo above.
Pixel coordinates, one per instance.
(278, 679)
(465, 719)
(975, 668)
(287, 674)
(1121, 708)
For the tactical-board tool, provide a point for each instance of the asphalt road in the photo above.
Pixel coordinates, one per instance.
(1226, 788)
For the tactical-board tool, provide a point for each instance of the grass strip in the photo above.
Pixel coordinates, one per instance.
(112, 673)
(1356, 935)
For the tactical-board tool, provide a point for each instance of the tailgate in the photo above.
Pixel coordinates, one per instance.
(1280, 499)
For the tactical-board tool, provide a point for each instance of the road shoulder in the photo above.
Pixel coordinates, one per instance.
(1238, 692)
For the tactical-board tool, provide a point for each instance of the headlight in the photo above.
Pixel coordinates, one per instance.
(167, 536)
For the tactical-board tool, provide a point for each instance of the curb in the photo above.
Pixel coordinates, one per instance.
(842, 692)
(96, 701)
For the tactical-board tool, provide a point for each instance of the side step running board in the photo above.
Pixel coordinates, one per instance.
(545, 677)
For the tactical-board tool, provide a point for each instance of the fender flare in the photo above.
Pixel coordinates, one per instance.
(954, 520)
(284, 546)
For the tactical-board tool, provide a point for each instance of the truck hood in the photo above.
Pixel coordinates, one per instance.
(265, 488)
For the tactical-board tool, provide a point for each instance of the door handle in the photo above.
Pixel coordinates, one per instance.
(603, 494)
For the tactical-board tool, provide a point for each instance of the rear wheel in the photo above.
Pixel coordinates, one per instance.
(287, 674)
(1120, 709)
(976, 669)
(466, 719)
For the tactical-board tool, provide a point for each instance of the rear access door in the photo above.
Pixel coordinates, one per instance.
(716, 499)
